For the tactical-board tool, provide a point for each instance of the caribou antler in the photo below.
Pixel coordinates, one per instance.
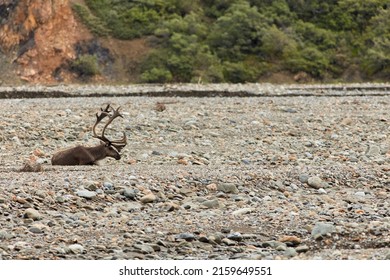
(118, 144)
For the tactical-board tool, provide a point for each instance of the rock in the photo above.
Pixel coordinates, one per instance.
(91, 185)
(5, 235)
(227, 188)
(170, 206)
(360, 194)
(290, 240)
(86, 194)
(236, 236)
(322, 191)
(303, 178)
(373, 151)
(228, 242)
(346, 121)
(290, 252)
(32, 214)
(130, 193)
(144, 248)
(212, 187)
(302, 248)
(322, 229)
(315, 182)
(76, 249)
(148, 198)
(186, 236)
(242, 211)
(213, 203)
(38, 228)
(267, 198)
(31, 166)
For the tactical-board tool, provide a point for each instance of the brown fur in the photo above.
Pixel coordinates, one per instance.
(81, 155)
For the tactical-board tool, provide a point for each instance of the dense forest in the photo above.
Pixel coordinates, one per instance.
(242, 41)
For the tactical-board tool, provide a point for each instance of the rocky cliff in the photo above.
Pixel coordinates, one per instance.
(39, 37)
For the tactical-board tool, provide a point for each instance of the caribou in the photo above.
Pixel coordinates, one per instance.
(81, 155)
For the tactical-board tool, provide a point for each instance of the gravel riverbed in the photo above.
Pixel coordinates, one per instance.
(267, 177)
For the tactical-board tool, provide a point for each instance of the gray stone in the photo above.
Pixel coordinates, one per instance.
(361, 194)
(302, 248)
(76, 249)
(5, 235)
(32, 214)
(290, 252)
(130, 193)
(86, 194)
(315, 182)
(322, 191)
(35, 229)
(144, 248)
(303, 178)
(267, 198)
(228, 242)
(186, 236)
(322, 229)
(373, 151)
(227, 188)
(213, 203)
(242, 211)
(236, 236)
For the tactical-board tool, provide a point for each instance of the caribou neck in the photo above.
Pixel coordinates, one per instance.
(98, 152)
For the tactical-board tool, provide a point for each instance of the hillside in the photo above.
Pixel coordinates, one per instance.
(71, 41)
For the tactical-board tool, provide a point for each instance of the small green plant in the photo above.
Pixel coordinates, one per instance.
(86, 65)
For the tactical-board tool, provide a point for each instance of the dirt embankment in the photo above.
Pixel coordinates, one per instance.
(40, 37)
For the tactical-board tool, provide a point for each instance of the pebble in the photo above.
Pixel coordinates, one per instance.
(242, 211)
(86, 194)
(290, 240)
(315, 182)
(302, 249)
(322, 191)
(227, 188)
(212, 203)
(130, 193)
(360, 194)
(290, 252)
(322, 229)
(373, 151)
(32, 214)
(186, 236)
(303, 178)
(236, 236)
(76, 248)
(144, 248)
(148, 198)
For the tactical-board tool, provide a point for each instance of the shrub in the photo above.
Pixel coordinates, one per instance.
(156, 75)
(86, 65)
(94, 24)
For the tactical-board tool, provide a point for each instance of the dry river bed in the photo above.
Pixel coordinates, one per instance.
(201, 178)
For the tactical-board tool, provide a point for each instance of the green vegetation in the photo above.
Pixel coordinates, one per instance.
(86, 66)
(243, 40)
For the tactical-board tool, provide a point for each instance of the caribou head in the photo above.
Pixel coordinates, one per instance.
(81, 155)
